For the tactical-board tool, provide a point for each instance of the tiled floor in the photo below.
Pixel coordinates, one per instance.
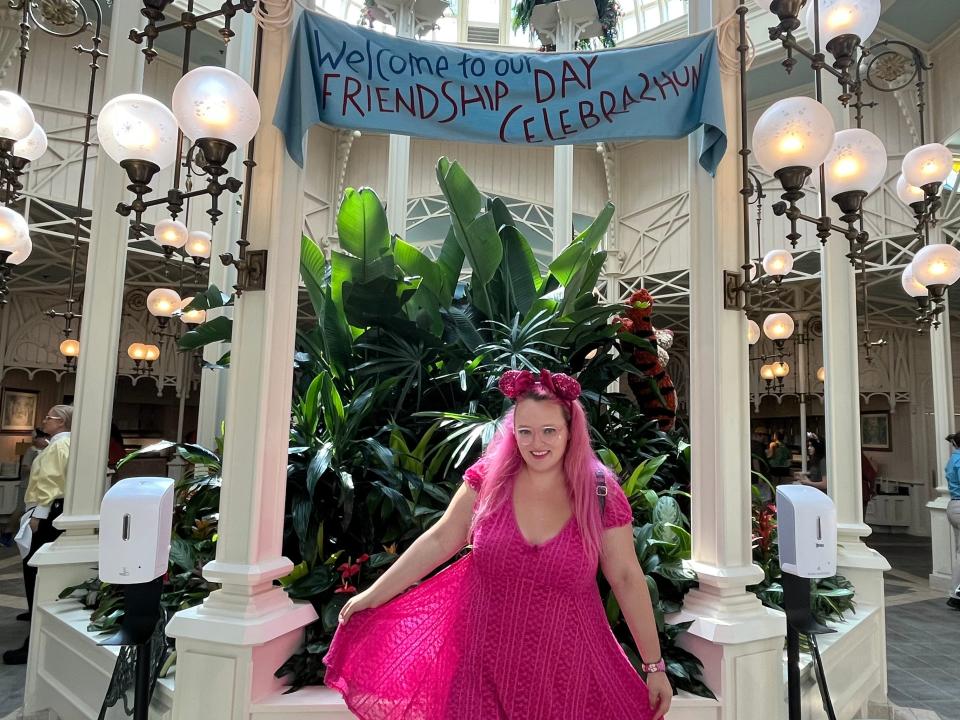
(923, 634)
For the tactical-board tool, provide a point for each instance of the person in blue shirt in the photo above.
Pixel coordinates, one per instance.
(953, 514)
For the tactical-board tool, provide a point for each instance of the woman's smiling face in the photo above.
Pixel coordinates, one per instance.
(541, 430)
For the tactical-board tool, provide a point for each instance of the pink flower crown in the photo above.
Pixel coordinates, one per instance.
(515, 383)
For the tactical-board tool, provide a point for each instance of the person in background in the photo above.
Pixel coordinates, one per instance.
(44, 503)
(868, 476)
(116, 451)
(953, 515)
(779, 457)
(816, 475)
(40, 440)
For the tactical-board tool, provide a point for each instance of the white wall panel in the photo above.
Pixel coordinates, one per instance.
(945, 88)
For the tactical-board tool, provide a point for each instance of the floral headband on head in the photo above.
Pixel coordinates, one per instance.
(515, 383)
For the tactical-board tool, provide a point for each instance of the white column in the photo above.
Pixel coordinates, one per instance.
(563, 160)
(738, 640)
(229, 647)
(944, 423)
(398, 165)
(72, 557)
(803, 353)
(841, 401)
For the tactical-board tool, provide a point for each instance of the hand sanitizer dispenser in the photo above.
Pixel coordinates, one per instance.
(136, 518)
(806, 531)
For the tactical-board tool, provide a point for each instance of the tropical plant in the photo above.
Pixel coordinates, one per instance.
(608, 12)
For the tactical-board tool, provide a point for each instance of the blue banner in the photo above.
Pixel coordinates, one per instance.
(351, 77)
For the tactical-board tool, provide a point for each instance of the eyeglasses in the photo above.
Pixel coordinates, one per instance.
(549, 435)
(52, 417)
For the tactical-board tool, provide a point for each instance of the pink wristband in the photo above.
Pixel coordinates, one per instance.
(658, 666)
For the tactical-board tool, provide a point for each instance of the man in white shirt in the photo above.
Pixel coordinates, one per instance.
(44, 502)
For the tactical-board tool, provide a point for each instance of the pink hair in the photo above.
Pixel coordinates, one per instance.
(502, 461)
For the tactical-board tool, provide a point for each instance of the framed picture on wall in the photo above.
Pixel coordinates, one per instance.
(18, 410)
(875, 431)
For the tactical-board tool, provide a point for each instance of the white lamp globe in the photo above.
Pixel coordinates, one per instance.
(151, 353)
(170, 233)
(137, 127)
(844, 17)
(14, 231)
(910, 285)
(191, 317)
(33, 146)
(753, 332)
(198, 244)
(778, 326)
(163, 302)
(781, 369)
(926, 164)
(937, 264)
(856, 162)
(795, 132)
(766, 372)
(212, 102)
(70, 348)
(22, 254)
(137, 351)
(822, 374)
(777, 263)
(16, 117)
(908, 193)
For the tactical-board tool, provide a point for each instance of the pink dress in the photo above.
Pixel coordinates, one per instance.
(512, 631)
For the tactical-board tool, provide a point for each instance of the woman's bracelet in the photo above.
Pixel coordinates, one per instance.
(654, 667)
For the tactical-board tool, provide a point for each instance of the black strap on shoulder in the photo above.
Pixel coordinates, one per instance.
(602, 491)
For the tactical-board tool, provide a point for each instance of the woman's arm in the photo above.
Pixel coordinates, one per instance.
(622, 570)
(820, 484)
(434, 547)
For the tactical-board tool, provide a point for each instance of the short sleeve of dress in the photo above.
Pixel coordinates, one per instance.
(475, 474)
(618, 511)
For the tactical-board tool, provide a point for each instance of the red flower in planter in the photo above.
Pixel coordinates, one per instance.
(363, 558)
(349, 589)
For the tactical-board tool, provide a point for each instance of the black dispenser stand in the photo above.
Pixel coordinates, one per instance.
(800, 621)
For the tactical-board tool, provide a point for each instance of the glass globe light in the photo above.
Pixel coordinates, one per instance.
(199, 244)
(937, 265)
(16, 117)
(857, 162)
(22, 254)
(908, 194)
(14, 231)
(777, 263)
(212, 102)
(170, 233)
(781, 369)
(822, 374)
(753, 332)
(137, 351)
(766, 372)
(137, 127)
(70, 348)
(927, 164)
(191, 317)
(778, 326)
(33, 146)
(163, 302)
(151, 352)
(795, 132)
(844, 17)
(910, 285)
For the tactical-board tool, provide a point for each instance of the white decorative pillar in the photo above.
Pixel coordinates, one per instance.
(841, 402)
(72, 557)
(229, 647)
(566, 35)
(398, 165)
(803, 356)
(944, 422)
(739, 641)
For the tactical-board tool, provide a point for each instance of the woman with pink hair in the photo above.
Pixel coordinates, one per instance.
(516, 629)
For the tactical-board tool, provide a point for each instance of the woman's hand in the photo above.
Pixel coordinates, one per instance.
(363, 601)
(661, 694)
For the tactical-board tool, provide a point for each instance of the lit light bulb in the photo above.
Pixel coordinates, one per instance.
(163, 302)
(778, 326)
(781, 369)
(191, 317)
(753, 332)
(137, 351)
(927, 164)
(70, 348)
(844, 17)
(199, 244)
(137, 127)
(170, 233)
(822, 374)
(778, 263)
(794, 132)
(766, 372)
(937, 265)
(151, 353)
(910, 284)
(212, 102)
(857, 162)
(22, 254)
(908, 194)
(14, 231)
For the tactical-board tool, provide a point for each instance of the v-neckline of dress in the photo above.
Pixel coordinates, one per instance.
(519, 530)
